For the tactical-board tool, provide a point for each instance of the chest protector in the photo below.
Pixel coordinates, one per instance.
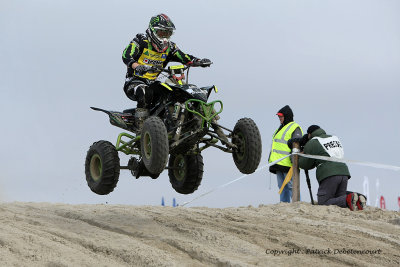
(151, 58)
(332, 146)
(279, 147)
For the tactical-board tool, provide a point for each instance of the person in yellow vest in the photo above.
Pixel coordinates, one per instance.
(288, 129)
(152, 49)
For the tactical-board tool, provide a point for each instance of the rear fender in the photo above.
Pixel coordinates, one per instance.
(118, 119)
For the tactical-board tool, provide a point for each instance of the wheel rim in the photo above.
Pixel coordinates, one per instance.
(179, 167)
(96, 167)
(147, 145)
(241, 144)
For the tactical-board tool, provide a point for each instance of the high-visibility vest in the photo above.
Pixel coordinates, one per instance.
(279, 147)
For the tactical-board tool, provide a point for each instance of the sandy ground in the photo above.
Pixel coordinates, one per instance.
(44, 234)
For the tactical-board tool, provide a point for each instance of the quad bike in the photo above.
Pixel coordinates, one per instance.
(180, 124)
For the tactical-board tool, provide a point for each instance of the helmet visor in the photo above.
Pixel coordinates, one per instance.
(164, 33)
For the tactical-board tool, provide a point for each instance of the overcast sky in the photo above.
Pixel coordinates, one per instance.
(335, 62)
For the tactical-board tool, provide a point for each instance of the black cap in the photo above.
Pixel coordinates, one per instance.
(312, 128)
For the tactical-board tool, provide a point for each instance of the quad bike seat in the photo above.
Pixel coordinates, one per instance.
(131, 110)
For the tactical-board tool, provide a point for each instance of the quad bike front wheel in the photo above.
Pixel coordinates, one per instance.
(185, 172)
(102, 167)
(154, 145)
(247, 138)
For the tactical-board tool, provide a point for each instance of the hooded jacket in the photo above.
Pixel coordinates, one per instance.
(325, 169)
(288, 117)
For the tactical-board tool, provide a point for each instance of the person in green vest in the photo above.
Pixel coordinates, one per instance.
(287, 129)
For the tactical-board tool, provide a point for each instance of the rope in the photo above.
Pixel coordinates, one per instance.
(369, 164)
(233, 181)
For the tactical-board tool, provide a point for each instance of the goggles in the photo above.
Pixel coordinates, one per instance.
(163, 33)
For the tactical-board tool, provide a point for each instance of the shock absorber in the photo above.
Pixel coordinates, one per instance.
(177, 108)
(180, 122)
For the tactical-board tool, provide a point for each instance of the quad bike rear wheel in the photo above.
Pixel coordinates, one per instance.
(185, 172)
(102, 167)
(247, 138)
(154, 145)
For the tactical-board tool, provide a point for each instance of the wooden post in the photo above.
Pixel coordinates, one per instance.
(296, 174)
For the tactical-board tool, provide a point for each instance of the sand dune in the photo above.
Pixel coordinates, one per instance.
(43, 234)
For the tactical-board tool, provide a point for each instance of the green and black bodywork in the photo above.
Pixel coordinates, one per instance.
(181, 124)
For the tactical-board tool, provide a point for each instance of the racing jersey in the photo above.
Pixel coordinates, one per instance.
(140, 50)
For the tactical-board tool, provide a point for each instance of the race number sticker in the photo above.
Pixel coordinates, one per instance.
(332, 146)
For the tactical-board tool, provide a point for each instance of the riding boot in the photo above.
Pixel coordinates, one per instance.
(141, 114)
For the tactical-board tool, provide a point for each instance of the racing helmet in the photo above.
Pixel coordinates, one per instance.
(159, 31)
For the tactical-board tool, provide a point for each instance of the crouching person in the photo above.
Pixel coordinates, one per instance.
(332, 176)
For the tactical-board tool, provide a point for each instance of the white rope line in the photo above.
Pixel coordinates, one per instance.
(235, 180)
(369, 164)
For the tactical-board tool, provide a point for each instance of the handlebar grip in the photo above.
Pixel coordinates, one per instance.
(199, 63)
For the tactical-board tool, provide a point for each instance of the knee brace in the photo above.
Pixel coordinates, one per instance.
(130, 91)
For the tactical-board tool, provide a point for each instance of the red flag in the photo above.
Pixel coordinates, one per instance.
(399, 201)
(383, 205)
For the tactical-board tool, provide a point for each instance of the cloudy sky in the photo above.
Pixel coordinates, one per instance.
(335, 62)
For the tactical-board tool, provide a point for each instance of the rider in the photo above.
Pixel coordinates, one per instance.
(153, 49)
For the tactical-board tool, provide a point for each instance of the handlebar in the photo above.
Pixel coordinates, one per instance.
(155, 68)
(177, 72)
(187, 66)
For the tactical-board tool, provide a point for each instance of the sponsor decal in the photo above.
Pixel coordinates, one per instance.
(154, 21)
(152, 62)
(154, 55)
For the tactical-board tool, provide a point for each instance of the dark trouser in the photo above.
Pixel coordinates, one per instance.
(332, 191)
